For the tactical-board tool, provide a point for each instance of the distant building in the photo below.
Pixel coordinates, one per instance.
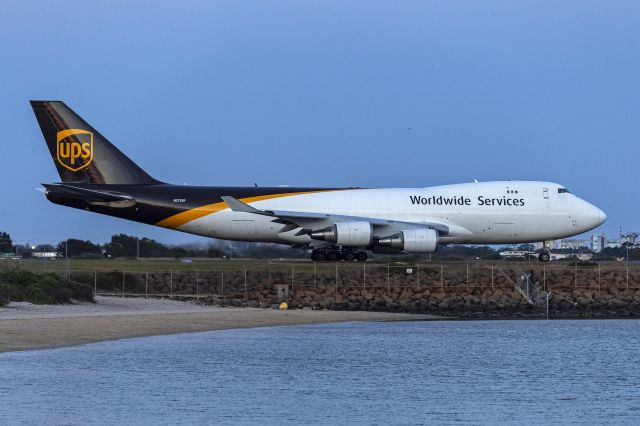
(572, 244)
(598, 242)
(612, 244)
(556, 244)
(45, 254)
(579, 256)
(516, 254)
(630, 238)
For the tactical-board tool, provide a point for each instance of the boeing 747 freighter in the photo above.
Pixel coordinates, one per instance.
(333, 223)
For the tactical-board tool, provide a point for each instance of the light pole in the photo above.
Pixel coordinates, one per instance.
(66, 256)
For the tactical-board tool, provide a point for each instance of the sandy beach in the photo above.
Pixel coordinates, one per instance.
(24, 326)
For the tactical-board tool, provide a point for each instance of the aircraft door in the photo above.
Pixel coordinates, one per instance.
(545, 197)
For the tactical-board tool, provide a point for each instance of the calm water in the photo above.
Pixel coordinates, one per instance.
(418, 372)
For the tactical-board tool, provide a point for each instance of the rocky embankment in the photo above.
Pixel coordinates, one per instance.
(474, 303)
(475, 291)
(570, 293)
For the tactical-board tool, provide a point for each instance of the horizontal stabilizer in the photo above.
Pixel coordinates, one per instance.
(84, 194)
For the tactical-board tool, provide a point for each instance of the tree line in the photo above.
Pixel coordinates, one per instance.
(127, 246)
(120, 245)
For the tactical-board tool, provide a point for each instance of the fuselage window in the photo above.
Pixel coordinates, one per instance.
(563, 191)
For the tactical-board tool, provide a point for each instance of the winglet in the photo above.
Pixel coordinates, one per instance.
(238, 206)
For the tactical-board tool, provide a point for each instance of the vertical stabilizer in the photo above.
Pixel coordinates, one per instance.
(80, 153)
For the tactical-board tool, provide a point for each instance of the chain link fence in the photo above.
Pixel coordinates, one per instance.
(364, 276)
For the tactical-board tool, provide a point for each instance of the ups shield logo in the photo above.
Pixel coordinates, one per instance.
(74, 148)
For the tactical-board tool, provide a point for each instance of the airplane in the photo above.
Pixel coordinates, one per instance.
(333, 223)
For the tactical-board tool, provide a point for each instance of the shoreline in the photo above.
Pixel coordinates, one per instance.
(32, 327)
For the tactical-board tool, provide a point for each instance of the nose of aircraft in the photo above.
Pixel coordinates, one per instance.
(602, 216)
(590, 215)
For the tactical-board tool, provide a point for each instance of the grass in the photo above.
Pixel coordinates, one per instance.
(223, 265)
(41, 288)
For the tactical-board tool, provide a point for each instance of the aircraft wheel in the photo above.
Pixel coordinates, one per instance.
(361, 256)
(333, 256)
(318, 256)
(349, 256)
(544, 257)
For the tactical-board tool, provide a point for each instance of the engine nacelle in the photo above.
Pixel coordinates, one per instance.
(346, 234)
(413, 240)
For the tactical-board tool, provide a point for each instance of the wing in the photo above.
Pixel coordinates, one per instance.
(303, 223)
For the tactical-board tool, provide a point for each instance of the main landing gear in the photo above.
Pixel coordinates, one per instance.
(545, 254)
(335, 254)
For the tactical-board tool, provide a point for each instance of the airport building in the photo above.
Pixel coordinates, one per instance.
(598, 242)
(572, 244)
(629, 238)
(612, 244)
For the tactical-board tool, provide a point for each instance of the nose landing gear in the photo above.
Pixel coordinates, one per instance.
(544, 257)
(545, 254)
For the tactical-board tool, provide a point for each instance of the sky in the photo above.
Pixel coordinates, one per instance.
(325, 93)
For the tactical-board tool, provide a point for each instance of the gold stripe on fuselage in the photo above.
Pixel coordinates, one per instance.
(180, 219)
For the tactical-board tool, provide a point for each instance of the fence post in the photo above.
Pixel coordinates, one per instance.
(544, 277)
(315, 272)
(245, 282)
(467, 276)
(627, 277)
(95, 281)
(197, 286)
(599, 273)
(492, 287)
(575, 277)
(269, 273)
(222, 279)
(336, 277)
(418, 274)
(441, 276)
(388, 277)
(364, 275)
(146, 284)
(123, 272)
(171, 283)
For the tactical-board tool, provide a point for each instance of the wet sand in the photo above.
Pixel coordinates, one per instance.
(25, 326)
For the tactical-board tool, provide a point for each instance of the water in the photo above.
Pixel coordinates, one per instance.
(534, 372)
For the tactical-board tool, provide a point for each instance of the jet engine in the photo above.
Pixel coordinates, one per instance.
(346, 234)
(412, 240)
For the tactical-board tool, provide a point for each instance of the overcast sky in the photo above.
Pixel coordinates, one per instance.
(323, 93)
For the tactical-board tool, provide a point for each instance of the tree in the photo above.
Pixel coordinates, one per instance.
(214, 251)
(152, 248)
(122, 245)
(6, 244)
(79, 248)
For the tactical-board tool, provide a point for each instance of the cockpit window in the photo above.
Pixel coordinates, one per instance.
(563, 191)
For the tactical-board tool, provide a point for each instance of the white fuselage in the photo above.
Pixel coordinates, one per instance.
(476, 213)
